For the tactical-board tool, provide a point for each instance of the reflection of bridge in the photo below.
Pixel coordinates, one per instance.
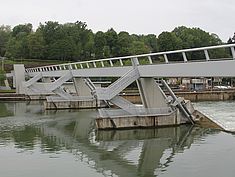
(142, 69)
(139, 152)
(123, 153)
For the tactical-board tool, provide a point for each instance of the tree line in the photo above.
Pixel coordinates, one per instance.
(76, 42)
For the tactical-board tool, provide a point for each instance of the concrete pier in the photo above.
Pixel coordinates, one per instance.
(150, 119)
(138, 121)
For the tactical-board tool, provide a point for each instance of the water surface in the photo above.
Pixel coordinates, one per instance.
(37, 143)
(222, 112)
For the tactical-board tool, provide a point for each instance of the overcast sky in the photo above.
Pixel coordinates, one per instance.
(133, 16)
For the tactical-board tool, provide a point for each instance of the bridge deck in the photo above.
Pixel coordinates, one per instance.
(150, 65)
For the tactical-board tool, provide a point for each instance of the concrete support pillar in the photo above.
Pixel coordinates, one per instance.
(151, 94)
(81, 88)
(19, 77)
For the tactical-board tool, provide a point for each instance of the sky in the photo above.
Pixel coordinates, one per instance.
(133, 16)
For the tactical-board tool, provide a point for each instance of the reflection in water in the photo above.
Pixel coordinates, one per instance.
(4, 111)
(139, 152)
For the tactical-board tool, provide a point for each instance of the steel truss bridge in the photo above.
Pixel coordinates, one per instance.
(142, 69)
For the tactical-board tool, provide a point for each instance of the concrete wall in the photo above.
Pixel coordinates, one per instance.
(71, 105)
(138, 121)
(192, 96)
(208, 96)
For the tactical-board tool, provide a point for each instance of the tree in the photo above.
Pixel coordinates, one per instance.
(17, 46)
(70, 41)
(89, 45)
(22, 30)
(62, 49)
(138, 47)
(36, 46)
(111, 41)
(169, 41)
(13, 49)
(49, 31)
(196, 37)
(73, 41)
(123, 44)
(4, 38)
(151, 41)
(183, 37)
(99, 44)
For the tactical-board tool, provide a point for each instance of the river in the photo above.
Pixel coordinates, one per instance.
(38, 143)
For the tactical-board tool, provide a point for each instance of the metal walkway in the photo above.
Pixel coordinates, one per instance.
(142, 69)
(149, 65)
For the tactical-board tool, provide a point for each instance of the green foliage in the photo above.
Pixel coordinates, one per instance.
(73, 41)
(36, 45)
(183, 38)
(111, 41)
(151, 41)
(138, 47)
(22, 30)
(4, 38)
(169, 41)
(2, 77)
(18, 46)
(4, 112)
(100, 43)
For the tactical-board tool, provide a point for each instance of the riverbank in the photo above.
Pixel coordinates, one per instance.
(134, 97)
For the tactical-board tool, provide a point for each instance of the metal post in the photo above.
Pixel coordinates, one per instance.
(233, 52)
(207, 55)
(135, 62)
(150, 60)
(121, 62)
(111, 62)
(102, 63)
(166, 59)
(184, 57)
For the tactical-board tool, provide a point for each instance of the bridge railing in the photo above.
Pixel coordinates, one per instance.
(152, 58)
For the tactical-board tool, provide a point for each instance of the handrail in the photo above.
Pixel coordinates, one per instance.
(93, 63)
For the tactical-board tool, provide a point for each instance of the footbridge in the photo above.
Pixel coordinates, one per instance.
(158, 109)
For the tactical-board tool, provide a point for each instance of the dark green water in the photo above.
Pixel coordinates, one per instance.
(34, 143)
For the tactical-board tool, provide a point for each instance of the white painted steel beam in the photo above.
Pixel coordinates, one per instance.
(222, 68)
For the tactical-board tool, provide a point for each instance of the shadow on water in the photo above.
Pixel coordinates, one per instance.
(139, 152)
